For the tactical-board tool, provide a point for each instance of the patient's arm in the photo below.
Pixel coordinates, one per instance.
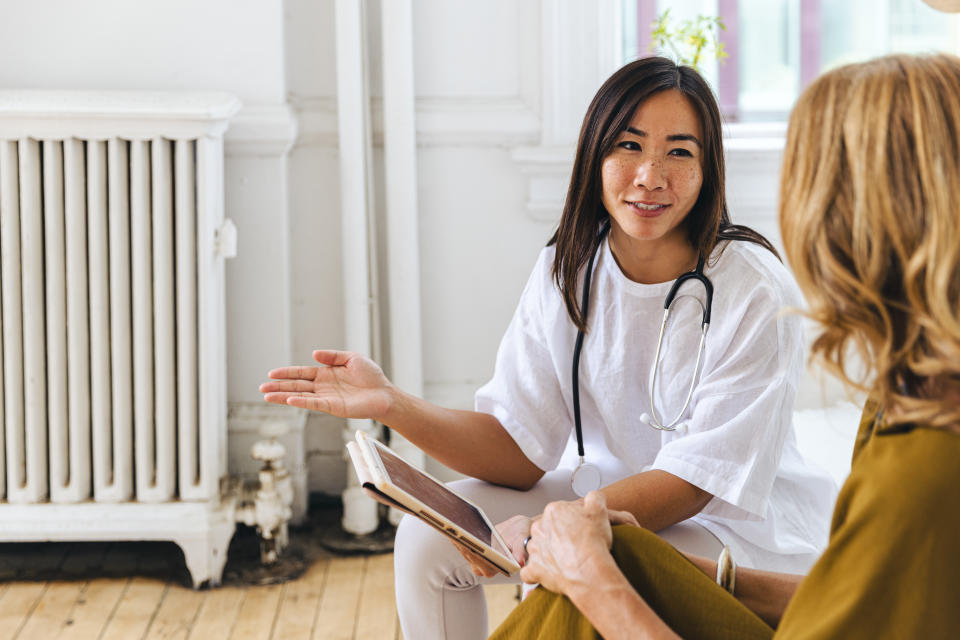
(764, 592)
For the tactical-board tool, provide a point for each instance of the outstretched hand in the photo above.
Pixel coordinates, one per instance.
(346, 385)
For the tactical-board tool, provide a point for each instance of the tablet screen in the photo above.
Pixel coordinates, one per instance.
(436, 496)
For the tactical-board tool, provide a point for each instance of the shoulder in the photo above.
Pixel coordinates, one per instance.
(544, 264)
(929, 457)
(747, 276)
(901, 478)
(541, 294)
(541, 276)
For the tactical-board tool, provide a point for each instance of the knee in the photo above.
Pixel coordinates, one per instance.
(629, 539)
(415, 541)
(422, 551)
(636, 549)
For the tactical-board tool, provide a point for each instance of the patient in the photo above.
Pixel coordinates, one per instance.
(870, 217)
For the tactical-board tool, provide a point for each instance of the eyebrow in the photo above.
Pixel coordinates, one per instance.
(676, 136)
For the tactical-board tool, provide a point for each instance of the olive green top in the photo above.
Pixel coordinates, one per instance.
(892, 569)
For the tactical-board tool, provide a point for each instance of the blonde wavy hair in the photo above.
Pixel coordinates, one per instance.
(870, 218)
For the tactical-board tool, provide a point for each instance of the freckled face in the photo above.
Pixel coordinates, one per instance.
(652, 178)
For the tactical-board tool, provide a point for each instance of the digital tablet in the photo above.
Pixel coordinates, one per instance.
(395, 482)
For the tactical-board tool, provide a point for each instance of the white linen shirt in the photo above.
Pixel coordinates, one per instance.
(737, 441)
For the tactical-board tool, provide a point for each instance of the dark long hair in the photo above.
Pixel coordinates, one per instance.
(607, 116)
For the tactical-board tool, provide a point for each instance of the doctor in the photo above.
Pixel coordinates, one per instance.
(645, 206)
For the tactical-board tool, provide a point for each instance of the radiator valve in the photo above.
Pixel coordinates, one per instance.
(269, 508)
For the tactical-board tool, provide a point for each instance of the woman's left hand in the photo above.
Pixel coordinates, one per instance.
(568, 541)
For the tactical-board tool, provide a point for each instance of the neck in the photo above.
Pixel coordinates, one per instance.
(653, 261)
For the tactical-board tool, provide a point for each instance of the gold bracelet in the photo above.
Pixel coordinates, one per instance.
(726, 571)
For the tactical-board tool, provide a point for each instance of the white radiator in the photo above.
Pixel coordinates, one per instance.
(113, 377)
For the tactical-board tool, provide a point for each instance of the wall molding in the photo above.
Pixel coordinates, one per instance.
(547, 170)
(495, 121)
(579, 50)
(484, 121)
(261, 130)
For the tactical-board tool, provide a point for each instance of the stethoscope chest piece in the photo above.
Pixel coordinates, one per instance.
(585, 478)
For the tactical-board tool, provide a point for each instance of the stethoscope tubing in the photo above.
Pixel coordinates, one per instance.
(653, 420)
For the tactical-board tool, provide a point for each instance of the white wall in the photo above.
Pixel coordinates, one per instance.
(150, 44)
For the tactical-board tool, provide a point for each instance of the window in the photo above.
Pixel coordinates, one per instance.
(776, 47)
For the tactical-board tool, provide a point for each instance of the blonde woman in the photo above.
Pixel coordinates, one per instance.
(870, 215)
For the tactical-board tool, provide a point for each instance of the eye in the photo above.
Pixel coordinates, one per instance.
(682, 153)
(629, 145)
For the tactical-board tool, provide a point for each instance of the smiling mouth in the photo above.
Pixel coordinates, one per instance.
(648, 209)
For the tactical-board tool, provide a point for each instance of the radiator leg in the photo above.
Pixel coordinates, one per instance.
(205, 554)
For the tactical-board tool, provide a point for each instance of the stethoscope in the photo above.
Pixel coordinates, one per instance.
(586, 477)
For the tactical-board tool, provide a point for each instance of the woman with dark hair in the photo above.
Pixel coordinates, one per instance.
(868, 210)
(687, 434)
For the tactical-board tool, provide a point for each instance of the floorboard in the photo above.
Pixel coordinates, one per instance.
(136, 609)
(258, 613)
(218, 614)
(92, 610)
(122, 594)
(337, 617)
(17, 604)
(49, 616)
(175, 615)
(297, 615)
(377, 614)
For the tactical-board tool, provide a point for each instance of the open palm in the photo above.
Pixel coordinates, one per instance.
(347, 385)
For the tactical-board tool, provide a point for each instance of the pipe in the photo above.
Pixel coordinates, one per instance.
(356, 202)
(403, 225)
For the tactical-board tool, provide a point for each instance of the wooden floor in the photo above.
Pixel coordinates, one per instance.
(336, 598)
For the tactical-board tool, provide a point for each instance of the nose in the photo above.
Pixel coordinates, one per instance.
(650, 175)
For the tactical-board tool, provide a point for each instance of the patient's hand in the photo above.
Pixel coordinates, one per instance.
(569, 541)
(515, 530)
(621, 517)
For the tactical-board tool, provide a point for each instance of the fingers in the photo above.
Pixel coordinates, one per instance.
(309, 402)
(325, 357)
(478, 564)
(314, 403)
(622, 517)
(536, 530)
(293, 373)
(332, 358)
(595, 502)
(287, 386)
(529, 574)
(278, 397)
(531, 571)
